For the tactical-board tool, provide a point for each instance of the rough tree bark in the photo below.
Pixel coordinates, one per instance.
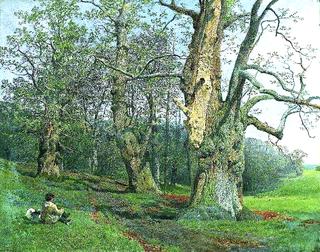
(132, 148)
(218, 142)
(48, 153)
(153, 157)
(177, 138)
(167, 141)
(215, 126)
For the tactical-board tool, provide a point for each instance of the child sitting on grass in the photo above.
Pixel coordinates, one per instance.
(50, 213)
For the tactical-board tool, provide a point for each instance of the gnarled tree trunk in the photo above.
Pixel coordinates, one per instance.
(132, 148)
(48, 153)
(221, 164)
(216, 127)
(215, 130)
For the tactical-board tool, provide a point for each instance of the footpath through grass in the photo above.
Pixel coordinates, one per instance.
(105, 218)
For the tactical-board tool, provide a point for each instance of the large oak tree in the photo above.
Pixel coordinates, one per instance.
(217, 125)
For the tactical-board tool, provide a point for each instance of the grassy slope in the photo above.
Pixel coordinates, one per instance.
(18, 234)
(298, 197)
(102, 218)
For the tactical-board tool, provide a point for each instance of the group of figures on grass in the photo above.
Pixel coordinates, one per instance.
(123, 64)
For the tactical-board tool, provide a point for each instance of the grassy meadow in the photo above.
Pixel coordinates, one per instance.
(105, 218)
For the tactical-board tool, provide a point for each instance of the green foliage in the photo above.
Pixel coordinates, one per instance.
(317, 168)
(265, 166)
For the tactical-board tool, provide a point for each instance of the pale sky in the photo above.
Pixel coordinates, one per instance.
(306, 31)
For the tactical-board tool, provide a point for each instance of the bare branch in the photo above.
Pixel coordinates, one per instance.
(278, 133)
(99, 7)
(103, 61)
(234, 19)
(281, 34)
(304, 125)
(156, 58)
(173, 6)
(157, 75)
(139, 76)
(275, 75)
(169, 22)
(278, 97)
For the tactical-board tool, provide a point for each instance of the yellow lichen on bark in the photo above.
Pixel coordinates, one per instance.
(204, 78)
(197, 115)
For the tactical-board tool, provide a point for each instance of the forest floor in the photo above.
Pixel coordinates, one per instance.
(106, 218)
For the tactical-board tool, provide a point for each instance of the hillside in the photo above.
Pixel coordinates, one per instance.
(105, 218)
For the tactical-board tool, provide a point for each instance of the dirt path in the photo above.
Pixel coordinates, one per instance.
(155, 230)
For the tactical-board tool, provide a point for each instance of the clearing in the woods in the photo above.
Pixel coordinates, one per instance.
(106, 218)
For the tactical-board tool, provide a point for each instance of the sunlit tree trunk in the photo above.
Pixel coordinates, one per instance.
(216, 138)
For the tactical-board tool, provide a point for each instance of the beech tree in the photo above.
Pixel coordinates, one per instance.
(216, 124)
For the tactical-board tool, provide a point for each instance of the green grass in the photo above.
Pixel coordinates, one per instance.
(177, 189)
(116, 213)
(18, 234)
(297, 197)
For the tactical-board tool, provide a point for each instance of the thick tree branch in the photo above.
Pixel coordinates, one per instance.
(236, 82)
(173, 6)
(278, 133)
(264, 127)
(253, 101)
(267, 9)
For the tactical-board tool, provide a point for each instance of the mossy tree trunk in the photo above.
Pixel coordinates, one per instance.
(48, 163)
(132, 146)
(216, 126)
(221, 164)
